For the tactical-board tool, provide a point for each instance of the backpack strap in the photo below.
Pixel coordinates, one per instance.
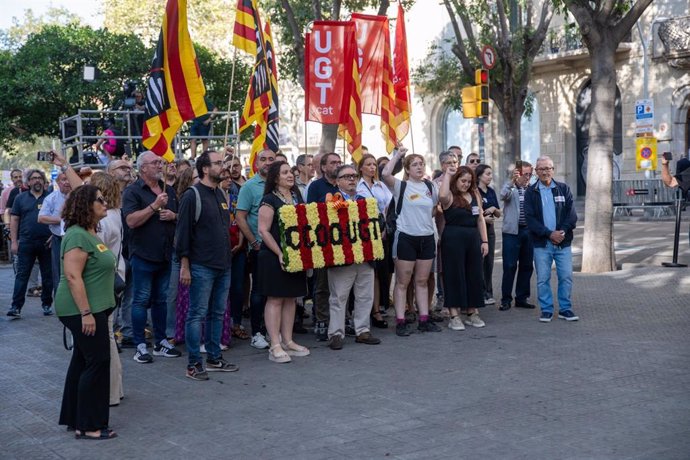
(398, 207)
(430, 186)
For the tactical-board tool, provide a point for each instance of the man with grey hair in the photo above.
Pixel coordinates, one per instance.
(551, 218)
(121, 170)
(30, 240)
(305, 166)
(149, 207)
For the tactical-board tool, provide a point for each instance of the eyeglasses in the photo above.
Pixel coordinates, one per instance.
(473, 161)
(101, 200)
(36, 178)
(348, 176)
(154, 163)
(450, 162)
(217, 163)
(545, 169)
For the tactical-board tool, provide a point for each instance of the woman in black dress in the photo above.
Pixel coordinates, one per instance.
(280, 287)
(463, 244)
(491, 211)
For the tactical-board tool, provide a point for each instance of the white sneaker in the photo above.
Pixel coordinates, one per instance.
(202, 348)
(474, 320)
(259, 341)
(456, 324)
(223, 347)
(490, 301)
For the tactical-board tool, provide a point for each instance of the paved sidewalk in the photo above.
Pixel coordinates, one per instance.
(614, 385)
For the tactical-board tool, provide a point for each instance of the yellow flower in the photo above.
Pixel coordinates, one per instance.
(316, 251)
(292, 258)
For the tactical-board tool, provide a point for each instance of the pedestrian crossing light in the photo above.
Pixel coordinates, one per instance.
(481, 79)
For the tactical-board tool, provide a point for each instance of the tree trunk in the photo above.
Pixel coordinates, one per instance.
(329, 136)
(598, 252)
(513, 135)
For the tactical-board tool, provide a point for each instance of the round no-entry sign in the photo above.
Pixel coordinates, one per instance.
(646, 153)
(488, 57)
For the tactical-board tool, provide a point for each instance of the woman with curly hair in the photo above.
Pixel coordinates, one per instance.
(463, 244)
(84, 299)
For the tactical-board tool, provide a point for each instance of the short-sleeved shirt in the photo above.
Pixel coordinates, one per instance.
(417, 208)
(378, 190)
(27, 207)
(249, 199)
(317, 190)
(14, 193)
(152, 241)
(489, 198)
(52, 207)
(98, 274)
(199, 121)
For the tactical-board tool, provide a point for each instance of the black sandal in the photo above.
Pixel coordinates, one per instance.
(379, 323)
(105, 434)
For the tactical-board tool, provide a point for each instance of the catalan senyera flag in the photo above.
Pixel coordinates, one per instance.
(175, 91)
(401, 79)
(247, 25)
(351, 131)
(388, 96)
(266, 131)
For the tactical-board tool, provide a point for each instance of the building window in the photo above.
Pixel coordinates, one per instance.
(457, 131)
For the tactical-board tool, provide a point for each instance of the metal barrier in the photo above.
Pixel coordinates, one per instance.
(647, 194)
(79, 133)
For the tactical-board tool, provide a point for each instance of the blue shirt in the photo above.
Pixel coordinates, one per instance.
(548, 205)
(249, 199)
(319, 189)
(52, 207)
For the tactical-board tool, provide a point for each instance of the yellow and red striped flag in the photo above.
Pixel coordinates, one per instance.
(401, 79)
(388, 96)
(266, 130)
(175, 91)
(352, 130)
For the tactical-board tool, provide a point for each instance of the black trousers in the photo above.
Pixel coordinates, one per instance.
(86, 398)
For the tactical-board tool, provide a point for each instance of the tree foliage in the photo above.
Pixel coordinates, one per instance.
(43, 80)
(210, 21)
(508, 25)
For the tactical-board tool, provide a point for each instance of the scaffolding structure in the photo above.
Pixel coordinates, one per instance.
(81, 132)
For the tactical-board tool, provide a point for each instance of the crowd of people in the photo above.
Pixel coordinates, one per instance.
(149, 256)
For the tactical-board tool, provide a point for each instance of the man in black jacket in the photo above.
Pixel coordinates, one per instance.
(203, 247)
(551, 219)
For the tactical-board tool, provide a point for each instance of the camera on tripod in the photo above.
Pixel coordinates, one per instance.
(128, 89)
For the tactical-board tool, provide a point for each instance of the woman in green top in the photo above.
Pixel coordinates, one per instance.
(83, 301)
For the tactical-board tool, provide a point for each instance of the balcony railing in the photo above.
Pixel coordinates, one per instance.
(675, 36)
(564, 39)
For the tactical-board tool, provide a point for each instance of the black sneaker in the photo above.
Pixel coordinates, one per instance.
(47, 310)
(220, 365)
(428, 326)
(166, 350)
(401, 330)
(321, 331)
(410, 317)
(197, 372)
(142, 355)
(350, 328)
(436, 318)
(545, 317)
(568, 315)
(14, 313)
(505, 306)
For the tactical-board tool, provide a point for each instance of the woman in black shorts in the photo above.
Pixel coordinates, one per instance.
(414, 246)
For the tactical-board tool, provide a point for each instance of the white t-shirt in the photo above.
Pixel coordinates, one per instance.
(415, 217)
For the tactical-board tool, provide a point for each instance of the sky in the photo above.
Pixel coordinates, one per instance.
(86, 9)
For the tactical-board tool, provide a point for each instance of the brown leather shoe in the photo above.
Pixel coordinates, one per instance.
(367, 338)
(336, 343)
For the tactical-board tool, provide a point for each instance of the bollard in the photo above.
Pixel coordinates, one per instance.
(676, 236)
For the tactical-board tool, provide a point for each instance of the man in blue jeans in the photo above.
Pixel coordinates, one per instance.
(551, 219)
(203, 248)
(517, 245)
(150, 210)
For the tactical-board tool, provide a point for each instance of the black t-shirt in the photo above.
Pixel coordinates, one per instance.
(152, 241)
(13, 195)
(319, 189)
(26, 207)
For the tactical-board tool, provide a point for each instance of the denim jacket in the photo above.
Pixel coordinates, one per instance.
(566, 217)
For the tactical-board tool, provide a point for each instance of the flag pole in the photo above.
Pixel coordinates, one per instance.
(305, 137)
(409, 107)
(227, 118)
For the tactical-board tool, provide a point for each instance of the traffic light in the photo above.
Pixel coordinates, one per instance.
(469, 102)
(481, 79)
